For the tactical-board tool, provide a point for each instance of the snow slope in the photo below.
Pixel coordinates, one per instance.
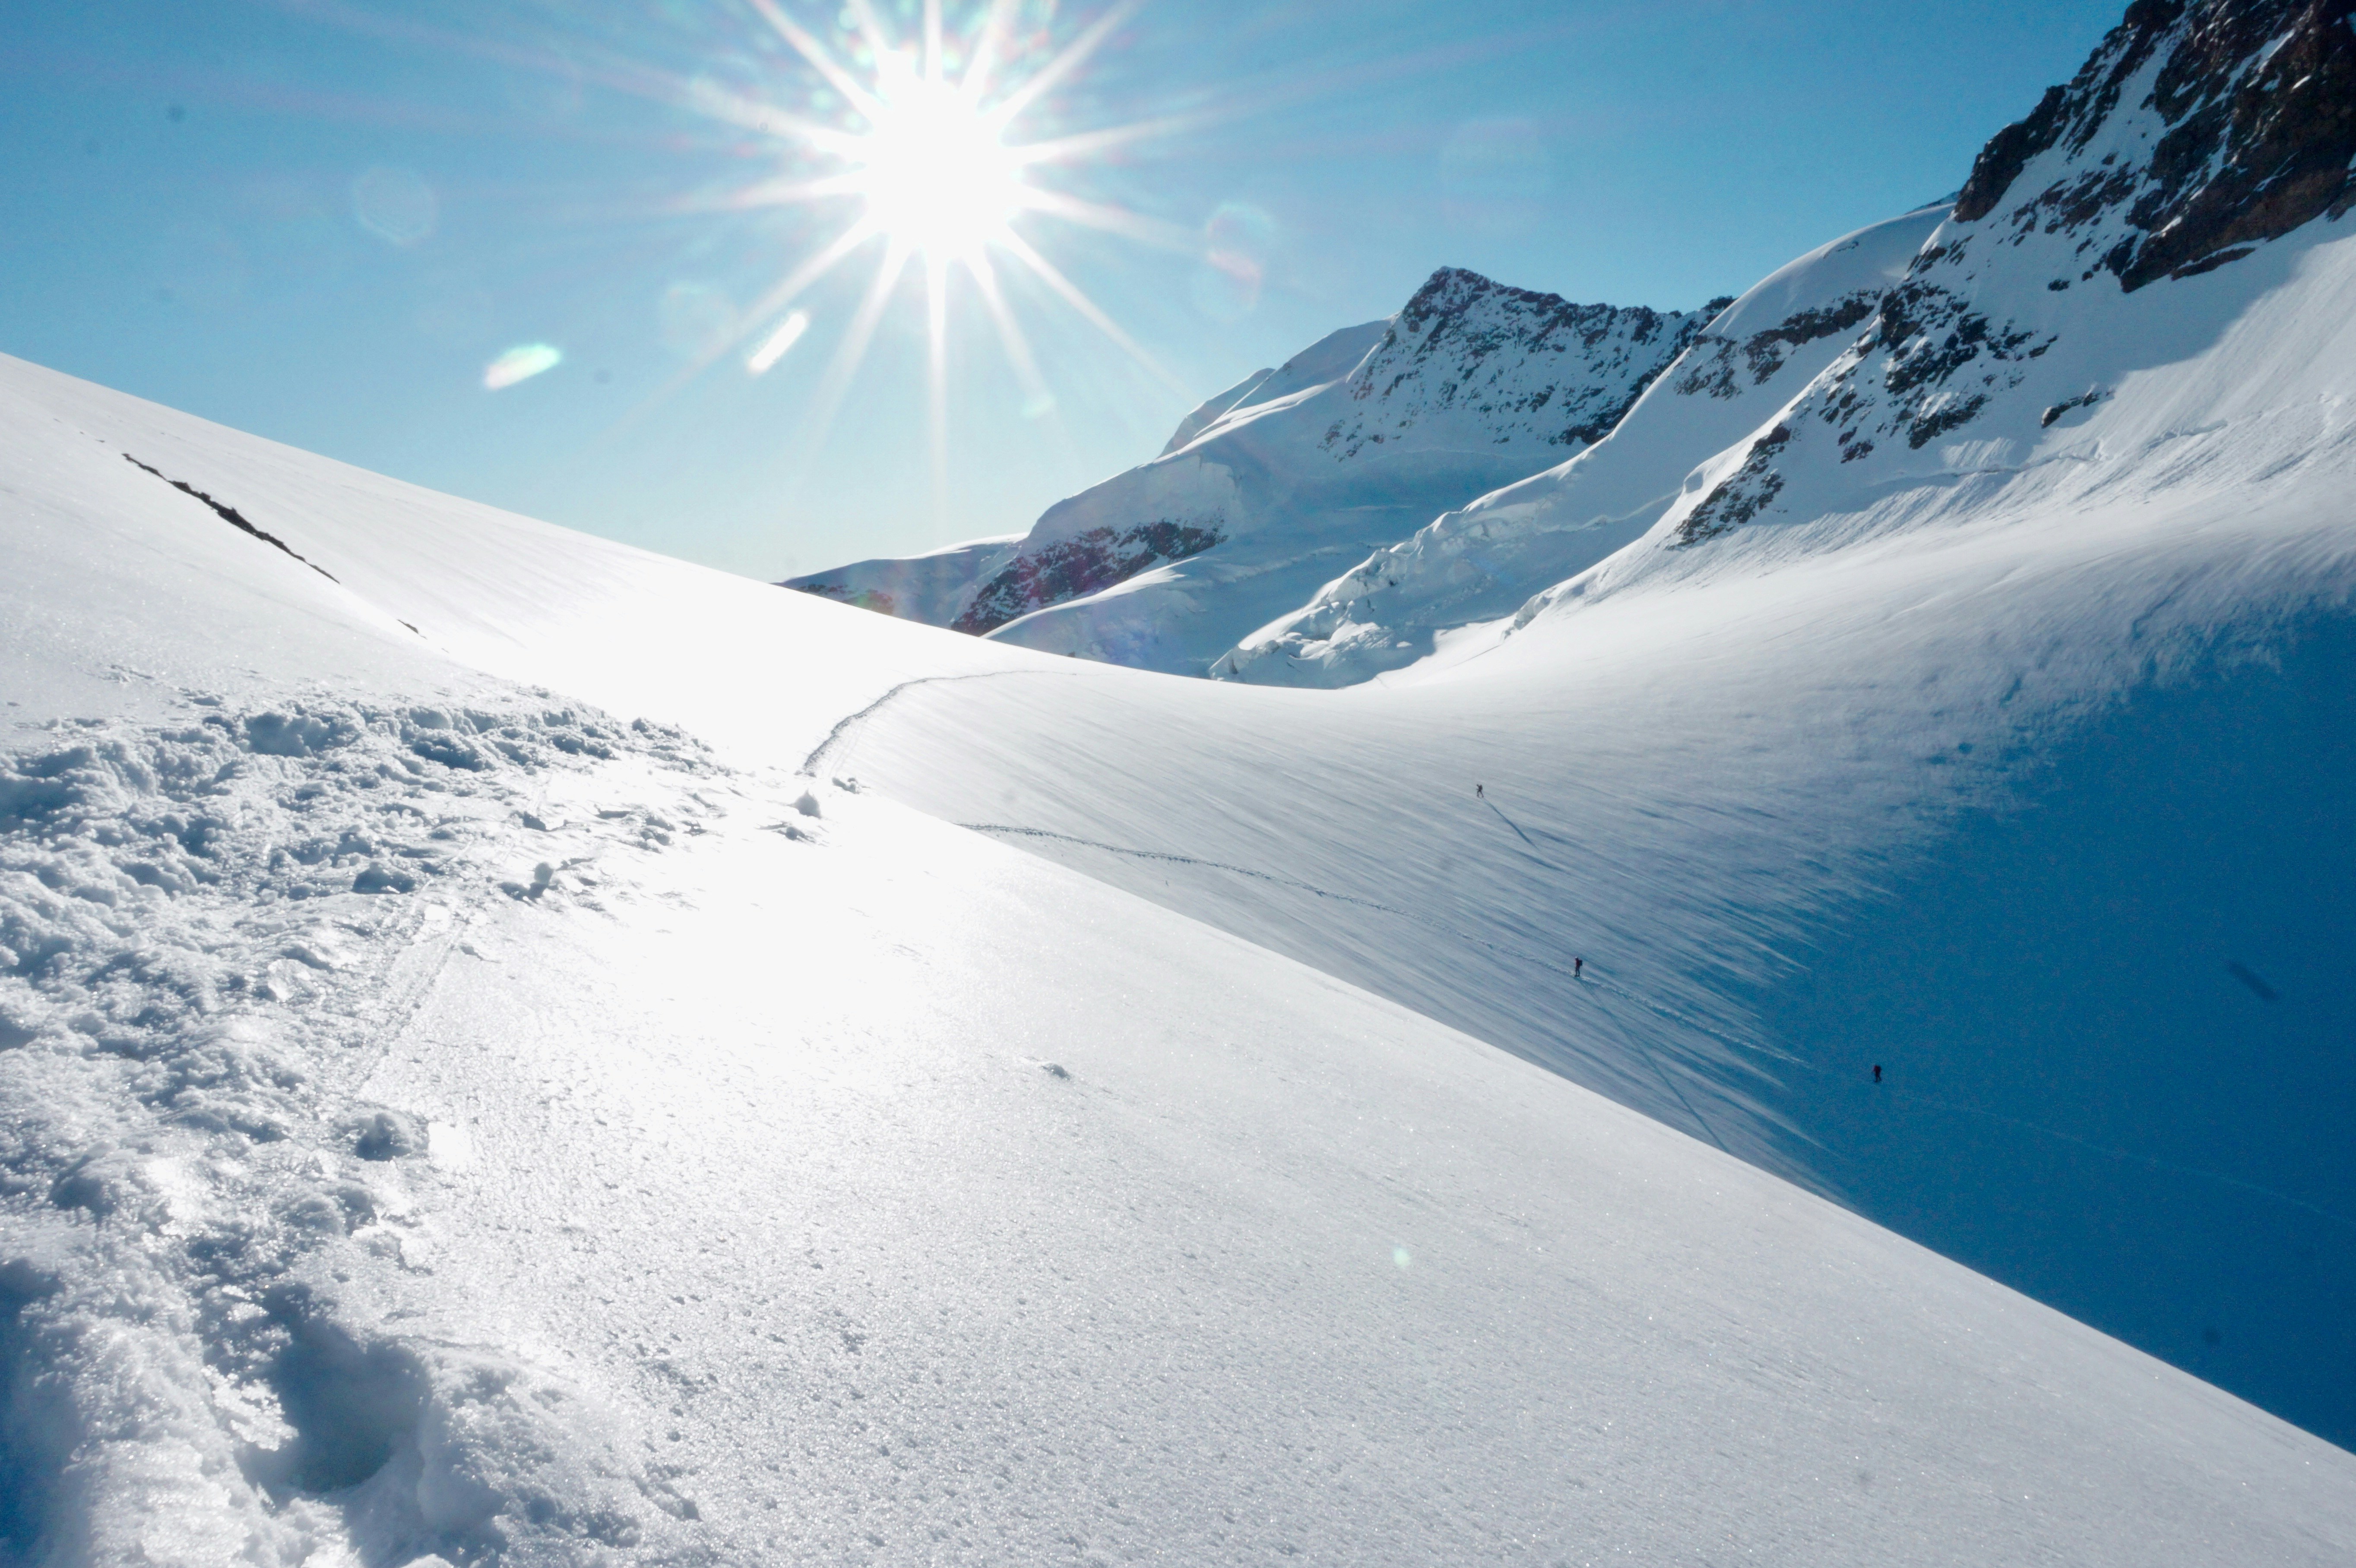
(1484, 560)
(452, 1114)
(2013, 758)
(1267, 489)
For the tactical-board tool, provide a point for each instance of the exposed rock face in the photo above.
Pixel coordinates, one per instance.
(1719, 363)
(2258, 98)
(933, 588)
(1741, 499)
(1529, 365)
(1082, 564)
(2196, 133)
(876, 599)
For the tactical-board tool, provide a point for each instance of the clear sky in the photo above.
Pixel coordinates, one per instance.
(338, 222)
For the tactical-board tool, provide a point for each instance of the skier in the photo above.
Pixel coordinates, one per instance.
(1477, 795)
(1576, 965)
(1877, 1073)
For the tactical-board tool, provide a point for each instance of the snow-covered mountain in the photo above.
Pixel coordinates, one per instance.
(1485, 560)
(2138, 290)
(506, 1055)
(2140, 285)
(1267, 489)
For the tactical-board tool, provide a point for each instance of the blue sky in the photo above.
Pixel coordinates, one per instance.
(322, 221)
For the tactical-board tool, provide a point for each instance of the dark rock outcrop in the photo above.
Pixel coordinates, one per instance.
(2258, 98)
(1081, 564)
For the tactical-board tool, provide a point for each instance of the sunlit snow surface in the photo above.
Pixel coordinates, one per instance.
(632, 1147)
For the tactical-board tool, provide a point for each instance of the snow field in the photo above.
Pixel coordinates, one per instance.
(832, 1185)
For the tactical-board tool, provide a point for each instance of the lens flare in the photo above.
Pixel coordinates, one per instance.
(521, 363)
(772, 348)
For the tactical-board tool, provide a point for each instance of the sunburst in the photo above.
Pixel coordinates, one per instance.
(931, 164)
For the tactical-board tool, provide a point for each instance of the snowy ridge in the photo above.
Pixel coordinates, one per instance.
(1484, 560)
(1470, 385)
(1470, 361)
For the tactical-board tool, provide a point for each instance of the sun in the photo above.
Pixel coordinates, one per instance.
(922, 146)
(935, 172)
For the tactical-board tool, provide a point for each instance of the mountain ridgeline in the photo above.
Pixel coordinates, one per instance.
(1490, 451)
(1282, 482)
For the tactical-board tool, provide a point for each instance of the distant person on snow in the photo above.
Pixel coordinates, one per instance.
(1477, 795)
(1877, 1073)
(1576, 965)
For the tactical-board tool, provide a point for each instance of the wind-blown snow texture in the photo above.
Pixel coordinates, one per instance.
(1269, 487)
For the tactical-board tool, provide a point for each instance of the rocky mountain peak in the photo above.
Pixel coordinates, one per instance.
(2195, 132)
(1529, 368)
(2255, 102)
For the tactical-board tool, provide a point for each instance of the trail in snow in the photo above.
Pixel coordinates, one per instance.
(847, 727)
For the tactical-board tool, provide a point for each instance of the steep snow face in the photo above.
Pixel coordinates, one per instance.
(2144, 284)
(445, 1122)
(1471, 385)
(1484, 560)
(933, 588)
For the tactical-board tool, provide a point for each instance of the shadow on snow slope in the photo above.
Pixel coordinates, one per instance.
(2114, 1025)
